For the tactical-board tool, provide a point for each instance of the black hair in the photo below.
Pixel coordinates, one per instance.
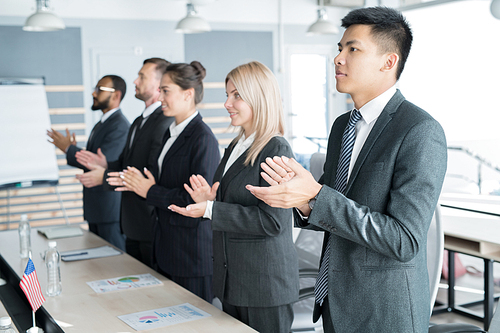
(118, 84)
(188, 76)
(388, 26)
(161, 65)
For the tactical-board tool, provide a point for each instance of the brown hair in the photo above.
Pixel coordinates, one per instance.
(188, 76)
(161, 65)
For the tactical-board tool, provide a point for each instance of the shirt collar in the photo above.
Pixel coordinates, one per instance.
(371, 110)
(108, 114)
(246, 142)
(175, 130)
(150, 109)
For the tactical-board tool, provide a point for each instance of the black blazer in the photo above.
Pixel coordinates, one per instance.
(255, 261)
(136, 214)
(101, 206)
(182, 245)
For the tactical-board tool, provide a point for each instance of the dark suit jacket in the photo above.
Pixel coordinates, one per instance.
(182, 245)
(101, 206)
(377, 277)
(136, 214)
(255, 262)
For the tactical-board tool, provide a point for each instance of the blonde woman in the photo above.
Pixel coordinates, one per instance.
(255, 262)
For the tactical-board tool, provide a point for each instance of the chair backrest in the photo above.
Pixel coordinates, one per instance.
(435, 248)
(316, 164)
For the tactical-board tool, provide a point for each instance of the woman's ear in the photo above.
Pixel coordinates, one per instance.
(189, 94)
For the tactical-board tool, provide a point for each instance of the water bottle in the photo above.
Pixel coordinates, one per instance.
(24, 236)
(6, 325)
(52, 262)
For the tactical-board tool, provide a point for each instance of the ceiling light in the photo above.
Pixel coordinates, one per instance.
(192, 23)
(495, 8)
(322, 25)
(43, 19)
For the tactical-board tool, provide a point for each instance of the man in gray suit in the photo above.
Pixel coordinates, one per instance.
(383, 174)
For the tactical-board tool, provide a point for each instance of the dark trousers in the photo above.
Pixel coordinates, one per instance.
(327, 318)
(200, 286)
(140, 250)
(110, 232)
(275, 319)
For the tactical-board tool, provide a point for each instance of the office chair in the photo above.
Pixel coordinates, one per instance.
(308, 245)
(468, 328)
(435, 249)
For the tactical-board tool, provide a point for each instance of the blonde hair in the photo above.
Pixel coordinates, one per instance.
(259, 88)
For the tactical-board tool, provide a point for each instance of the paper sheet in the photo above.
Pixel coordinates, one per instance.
(163, 317)
(124, 282)
(98, 252)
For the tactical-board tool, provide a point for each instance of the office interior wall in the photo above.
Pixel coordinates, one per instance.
(219, 52)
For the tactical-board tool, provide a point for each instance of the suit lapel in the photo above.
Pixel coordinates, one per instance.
(182, 138)
(95, 140)
(147, 126)
(383, 119)
(129, 148)
(232, 172)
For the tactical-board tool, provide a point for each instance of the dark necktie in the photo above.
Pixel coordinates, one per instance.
(321, 287)
(134, 132)
(94, 130)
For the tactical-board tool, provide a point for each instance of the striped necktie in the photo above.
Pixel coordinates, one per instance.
(321, 287)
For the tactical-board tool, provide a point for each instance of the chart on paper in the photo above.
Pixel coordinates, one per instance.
(163, 317)
(124, 282)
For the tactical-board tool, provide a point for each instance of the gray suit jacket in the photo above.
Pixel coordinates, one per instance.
(377, 277)
(255, 262)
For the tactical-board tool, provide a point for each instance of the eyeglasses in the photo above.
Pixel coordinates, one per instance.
(98, 89)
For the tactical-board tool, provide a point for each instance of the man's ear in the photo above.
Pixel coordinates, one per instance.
(391, 62)
(117, 96)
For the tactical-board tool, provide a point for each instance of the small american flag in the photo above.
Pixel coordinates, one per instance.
(31, 287)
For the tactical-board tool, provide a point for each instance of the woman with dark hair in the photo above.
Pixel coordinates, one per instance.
(182, 246)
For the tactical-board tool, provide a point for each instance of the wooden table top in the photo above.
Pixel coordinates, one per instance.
(80, 309)
(472, 233)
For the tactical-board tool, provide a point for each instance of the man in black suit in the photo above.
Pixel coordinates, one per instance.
(141, 150)
(101, 209)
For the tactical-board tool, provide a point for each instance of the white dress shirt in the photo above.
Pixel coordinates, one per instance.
(108, 114)
(369, 115)
(175, 130)
(241, 146)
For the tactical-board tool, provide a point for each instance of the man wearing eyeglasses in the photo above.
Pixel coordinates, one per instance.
(101, 209)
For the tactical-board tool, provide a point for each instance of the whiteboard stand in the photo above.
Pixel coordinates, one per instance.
(62, 204)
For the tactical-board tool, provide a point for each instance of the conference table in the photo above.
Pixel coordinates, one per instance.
(80, 309)
(471, 226)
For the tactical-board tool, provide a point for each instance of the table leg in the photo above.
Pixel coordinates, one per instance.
(451, 280)
(489, 298)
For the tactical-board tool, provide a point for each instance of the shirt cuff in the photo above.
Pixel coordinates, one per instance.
(304, 218)
(208, 210)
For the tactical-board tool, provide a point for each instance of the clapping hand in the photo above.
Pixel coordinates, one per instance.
(132, 179)
(200, 191)
(90, 160)
(60, 141)
(286, 190)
